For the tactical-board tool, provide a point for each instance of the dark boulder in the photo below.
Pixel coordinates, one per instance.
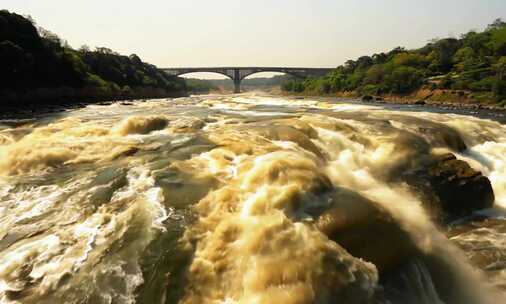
(407, 273)
(365, 230)
(420, 102)
(450, 187)
(367, 98)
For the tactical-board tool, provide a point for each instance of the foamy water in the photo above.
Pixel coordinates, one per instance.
(243, 199)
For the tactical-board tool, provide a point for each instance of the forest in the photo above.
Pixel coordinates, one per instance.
(36, 66)
(473, 66)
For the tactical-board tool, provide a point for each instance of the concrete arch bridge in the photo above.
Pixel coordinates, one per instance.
(237, 74)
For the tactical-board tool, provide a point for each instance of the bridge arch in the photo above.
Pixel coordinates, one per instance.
(269, 71)
(206, 72)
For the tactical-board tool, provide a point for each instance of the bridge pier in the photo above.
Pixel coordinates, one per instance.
(237, 81)
(237, 86)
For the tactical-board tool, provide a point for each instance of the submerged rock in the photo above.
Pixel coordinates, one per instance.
(365, 230)
(187, 125)
(450, 187)
(409, 272)
(367, 98)
(291, 134)
(141, 125)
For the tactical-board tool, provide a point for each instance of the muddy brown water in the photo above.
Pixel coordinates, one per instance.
(243, 199)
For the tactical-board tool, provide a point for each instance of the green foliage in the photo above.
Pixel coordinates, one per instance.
(371, 89)
(32, 58)
(475, 62)
(376, 74)
(404, 79)
(293, 86)
(199, 85)
(410, 59)
(498, 41)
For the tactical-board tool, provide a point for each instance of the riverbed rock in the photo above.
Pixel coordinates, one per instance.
(288, 133)
(365, 230)
(450, 188)
(187, 124)
(367, 98)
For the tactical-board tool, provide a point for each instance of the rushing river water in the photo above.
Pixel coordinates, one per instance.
(243, 199)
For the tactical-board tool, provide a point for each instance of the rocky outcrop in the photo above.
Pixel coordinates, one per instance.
(450, 187)
(365, 230)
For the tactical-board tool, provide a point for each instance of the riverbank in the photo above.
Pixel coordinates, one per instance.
(446, 99)
(441, 98)
(28, 108)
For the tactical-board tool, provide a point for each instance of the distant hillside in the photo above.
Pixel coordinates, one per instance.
(471, 68)
(37, 66)
(200, 86)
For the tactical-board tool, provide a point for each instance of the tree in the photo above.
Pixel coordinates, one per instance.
(498, 41)
(84, 49)
(15, 66)
(350, 65)
(364, 62)
(49, 36)
(464, 59)
(376, 74)
(500, 68)
(106, 51)
(395, 51)
(379, 58)
(409, 59)
(497, 24)
(404, 79)
(499, 87)
(135, 59)
(445, 49)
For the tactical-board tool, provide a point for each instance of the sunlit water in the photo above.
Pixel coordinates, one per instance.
(241, 199)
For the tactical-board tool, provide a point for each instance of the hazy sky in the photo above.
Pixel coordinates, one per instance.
(310, 33)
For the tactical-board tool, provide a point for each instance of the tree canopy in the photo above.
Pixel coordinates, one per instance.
(474, 62)
(32, 58)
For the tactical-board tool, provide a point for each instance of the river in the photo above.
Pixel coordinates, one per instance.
(246, 199)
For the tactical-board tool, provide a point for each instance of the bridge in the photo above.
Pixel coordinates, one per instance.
(237, 74)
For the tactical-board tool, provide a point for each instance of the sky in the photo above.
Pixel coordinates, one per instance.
(301, 33)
